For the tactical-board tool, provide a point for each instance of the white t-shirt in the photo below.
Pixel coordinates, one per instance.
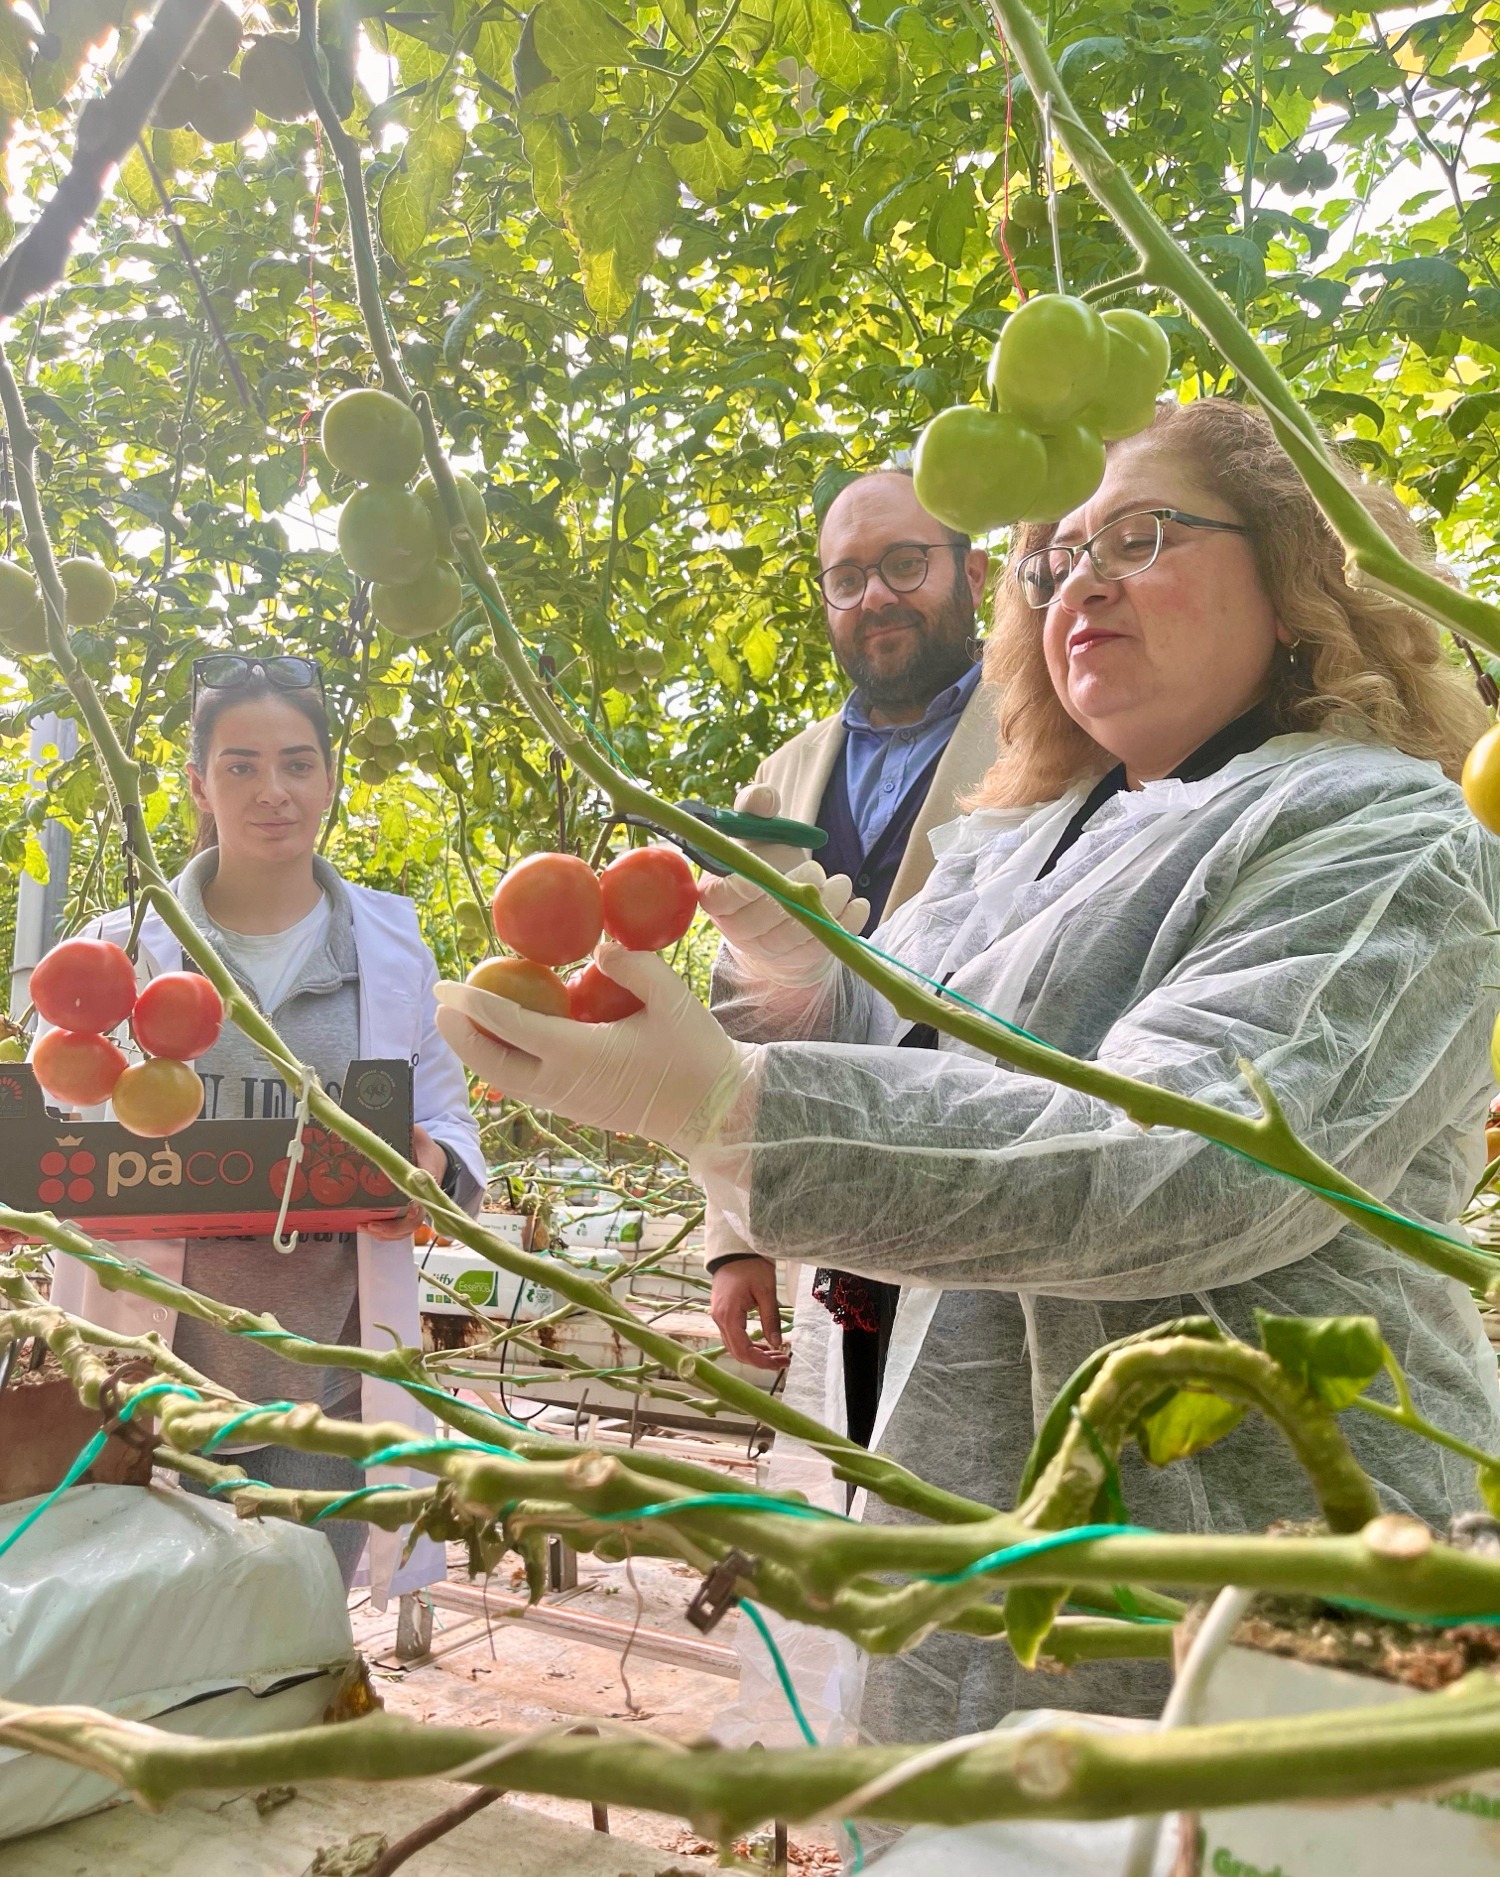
(273, 961)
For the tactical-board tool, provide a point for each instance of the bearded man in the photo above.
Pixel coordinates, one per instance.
(901, 595)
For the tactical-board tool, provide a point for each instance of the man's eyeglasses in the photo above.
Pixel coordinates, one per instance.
(902, 569)
(226, 671)
(1121, 548)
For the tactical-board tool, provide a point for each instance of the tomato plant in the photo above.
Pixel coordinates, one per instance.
(158, 1097)
(595, 998)
(84, 984)
(549, 908)
(650, 898)
(78, 1068)
(178, 1014)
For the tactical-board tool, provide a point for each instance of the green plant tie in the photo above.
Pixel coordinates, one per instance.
(763, 1630)
(417, 1449)
(348, 1498)
(87, 1456)
(218, 1439)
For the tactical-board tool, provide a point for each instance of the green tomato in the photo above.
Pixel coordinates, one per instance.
(386, 534)
(1139, 357)
(1052, 359)
(421, 606)
(976, 470)
(1075, 468)
(470, 500)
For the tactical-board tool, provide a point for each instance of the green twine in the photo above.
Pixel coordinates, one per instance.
(348, 1498)
(218, 1439)
(414, 1449)
(810, 1739)
(87, 1456)
(742, 1501)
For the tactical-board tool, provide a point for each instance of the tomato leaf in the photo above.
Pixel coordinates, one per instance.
(1336, 1357)
(416, 194)
(1186, 1422)
(616, 210)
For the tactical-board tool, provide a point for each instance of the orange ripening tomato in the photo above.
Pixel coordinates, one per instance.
(650, 897)
(158, 1097)
(533, 986)
(78, 1068)
(549, 908)
(84, 984)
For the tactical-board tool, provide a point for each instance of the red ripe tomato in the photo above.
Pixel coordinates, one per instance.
(84, 984)
(178, 1014)
(594, 998)
(375, 1182)
(650, 897)
(533, 986)
(78, 1068)
(549, 909)
(157, 1098)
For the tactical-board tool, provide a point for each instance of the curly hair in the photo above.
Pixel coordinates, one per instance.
(1365, 666)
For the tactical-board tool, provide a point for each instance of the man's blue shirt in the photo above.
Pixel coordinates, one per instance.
(881, 763)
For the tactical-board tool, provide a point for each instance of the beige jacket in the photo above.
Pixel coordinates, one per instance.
(800, 770)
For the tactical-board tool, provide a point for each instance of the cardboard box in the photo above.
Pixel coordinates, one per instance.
(216, 1179)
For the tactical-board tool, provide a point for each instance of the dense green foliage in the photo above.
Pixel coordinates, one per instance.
(667, 275)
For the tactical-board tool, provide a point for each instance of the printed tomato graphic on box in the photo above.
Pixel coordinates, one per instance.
(215, 1178)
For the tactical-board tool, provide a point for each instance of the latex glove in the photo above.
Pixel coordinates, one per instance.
(764, 798)
(668, 1073)
(765, 938)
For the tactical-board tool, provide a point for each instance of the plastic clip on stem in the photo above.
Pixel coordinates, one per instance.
(293, 1164)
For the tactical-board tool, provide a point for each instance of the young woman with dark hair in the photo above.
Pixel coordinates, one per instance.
(343, 973)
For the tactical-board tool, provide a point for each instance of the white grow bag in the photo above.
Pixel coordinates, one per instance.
(159, 1606)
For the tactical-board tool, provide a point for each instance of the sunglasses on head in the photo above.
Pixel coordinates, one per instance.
(226, 671)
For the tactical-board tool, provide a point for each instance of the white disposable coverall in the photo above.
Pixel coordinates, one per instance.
(1321, 907)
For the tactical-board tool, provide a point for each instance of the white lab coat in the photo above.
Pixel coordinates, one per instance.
(396, 1018)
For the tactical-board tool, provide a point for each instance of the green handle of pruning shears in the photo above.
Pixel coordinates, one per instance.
(740, 827)
(758, 827)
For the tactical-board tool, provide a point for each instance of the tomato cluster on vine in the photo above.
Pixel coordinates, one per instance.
(1063, 380)
(551, 910)
(86, 988)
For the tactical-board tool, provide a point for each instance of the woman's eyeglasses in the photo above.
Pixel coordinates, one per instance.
(226, 671)
(1121, 548)
(902, 569)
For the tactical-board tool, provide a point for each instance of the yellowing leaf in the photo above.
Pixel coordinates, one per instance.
(415, 194)
(617, 209)
(135, 180)
(723, 663)
(15, 50)
(759, 649)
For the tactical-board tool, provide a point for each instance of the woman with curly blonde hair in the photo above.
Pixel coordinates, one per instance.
(1224, 832)
(1355, 662)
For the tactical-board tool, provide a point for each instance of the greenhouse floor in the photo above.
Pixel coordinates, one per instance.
(608, 1643)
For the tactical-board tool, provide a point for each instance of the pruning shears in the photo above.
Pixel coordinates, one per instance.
(770, 828)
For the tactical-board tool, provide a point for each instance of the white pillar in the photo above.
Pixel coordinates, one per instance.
(39, 908)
